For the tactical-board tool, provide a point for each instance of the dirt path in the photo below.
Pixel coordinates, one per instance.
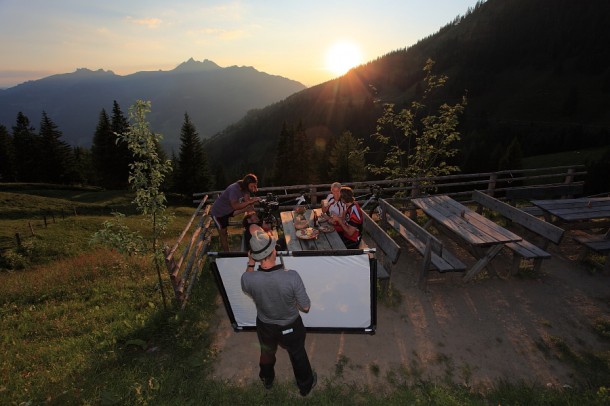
(473, 334)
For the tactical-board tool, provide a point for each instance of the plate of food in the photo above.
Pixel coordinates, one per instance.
(326, 228)
(307, 233)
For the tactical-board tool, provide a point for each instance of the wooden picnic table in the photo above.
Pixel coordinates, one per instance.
(580, 214)
(483, 238)
(324, 242)
(576, 213)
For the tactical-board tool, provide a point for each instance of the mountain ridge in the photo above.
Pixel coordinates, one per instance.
(213, 96)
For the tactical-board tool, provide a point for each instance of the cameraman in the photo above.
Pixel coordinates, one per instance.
(236, 199)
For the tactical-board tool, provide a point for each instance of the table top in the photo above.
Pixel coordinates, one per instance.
(324, 241)
(576, 209)
(469, 225)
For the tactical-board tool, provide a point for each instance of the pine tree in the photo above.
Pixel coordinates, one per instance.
(282, 156)
(101, 151)
(27, 150)
(347, 159)
(302, 152)
(122, 156)
(192, 166)
(57, 158)
(7, 156)
(83, 172)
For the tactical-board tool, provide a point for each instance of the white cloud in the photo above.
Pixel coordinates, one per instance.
(150, 22)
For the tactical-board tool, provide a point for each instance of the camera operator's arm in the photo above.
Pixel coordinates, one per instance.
(243, 205)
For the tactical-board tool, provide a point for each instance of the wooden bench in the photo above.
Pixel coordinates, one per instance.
(598, 243)
(388, 250)
(523, 249)
(435, 255)
(542, 192)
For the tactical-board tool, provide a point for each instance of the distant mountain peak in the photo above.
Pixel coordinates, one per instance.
(195, 66)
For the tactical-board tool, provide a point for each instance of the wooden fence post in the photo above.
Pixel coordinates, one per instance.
(44, 218)
(570, 176)
(313, 198)
(491, 186)
(18, 239)
(414, 193)
(31, 228)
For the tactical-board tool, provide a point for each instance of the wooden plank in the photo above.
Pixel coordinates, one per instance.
(418, 231)
(333, 240)
(386, 243)
(292, 243)
(467, 224)
(436, 258)
(546, 230)
(597, 243)
(576, 209)
(528, 250)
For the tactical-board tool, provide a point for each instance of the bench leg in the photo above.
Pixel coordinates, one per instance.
(483, 262)
(516, 263)
(425, 264)
(607, 263)
(537, 264)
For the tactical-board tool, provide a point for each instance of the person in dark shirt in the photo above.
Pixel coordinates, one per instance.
(236, 198)
(279, 295)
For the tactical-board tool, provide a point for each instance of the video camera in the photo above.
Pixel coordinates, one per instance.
(268, 205)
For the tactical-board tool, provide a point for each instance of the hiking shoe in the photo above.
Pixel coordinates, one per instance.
(313, 385)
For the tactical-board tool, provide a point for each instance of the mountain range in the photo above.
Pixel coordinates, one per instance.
(535, 72)
(214, 97)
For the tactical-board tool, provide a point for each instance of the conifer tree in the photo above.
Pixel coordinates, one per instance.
(301, 156)
(101, 151)
(82, 171)
(347, 159)
(56, 159)
(122, 156)
(192, 166)
(7, 156)
(282, 155)
(27, 150)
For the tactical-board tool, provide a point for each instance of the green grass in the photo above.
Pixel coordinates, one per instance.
(82, 325)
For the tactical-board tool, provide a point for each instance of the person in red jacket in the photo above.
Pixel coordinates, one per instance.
(350, 223)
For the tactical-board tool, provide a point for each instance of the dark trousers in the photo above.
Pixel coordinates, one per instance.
(292, 339)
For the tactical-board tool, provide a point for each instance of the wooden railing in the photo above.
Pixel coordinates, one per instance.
(184, 269)
(457, 186)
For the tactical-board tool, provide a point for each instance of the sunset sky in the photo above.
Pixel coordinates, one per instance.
(293, 39)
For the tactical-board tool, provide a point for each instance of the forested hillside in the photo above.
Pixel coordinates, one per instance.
(536, 75)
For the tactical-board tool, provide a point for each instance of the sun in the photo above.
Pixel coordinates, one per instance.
(342, 56)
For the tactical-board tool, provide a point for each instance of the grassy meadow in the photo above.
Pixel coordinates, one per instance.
(84, 325)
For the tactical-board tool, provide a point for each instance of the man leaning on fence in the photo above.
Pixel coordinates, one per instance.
(237, 198)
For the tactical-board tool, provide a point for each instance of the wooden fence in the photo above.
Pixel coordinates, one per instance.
(457, 186)
(193, 243)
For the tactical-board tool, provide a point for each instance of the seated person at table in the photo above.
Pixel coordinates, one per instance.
(334, 205)
(251, 224)
(350, 223)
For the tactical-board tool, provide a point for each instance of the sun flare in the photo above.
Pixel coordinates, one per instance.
(343, 56)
